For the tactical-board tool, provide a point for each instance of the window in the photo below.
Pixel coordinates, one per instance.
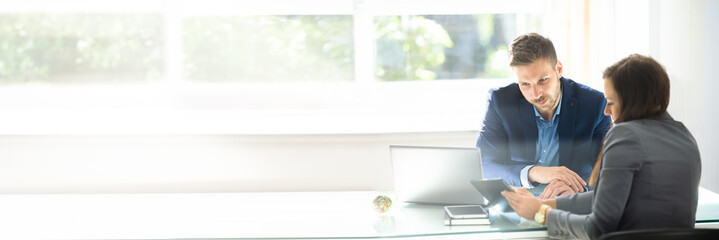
(275, 66)
(296, 48)
(80, 48)
(429, 47)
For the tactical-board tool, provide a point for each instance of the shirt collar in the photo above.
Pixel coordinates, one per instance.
(556, 113)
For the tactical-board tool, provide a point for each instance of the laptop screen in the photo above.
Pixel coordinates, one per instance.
(436, 175)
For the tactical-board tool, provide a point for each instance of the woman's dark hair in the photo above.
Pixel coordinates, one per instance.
(642, 86)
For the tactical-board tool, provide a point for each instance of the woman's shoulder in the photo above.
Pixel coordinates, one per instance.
(633, 131)
(623, 130)
(644, 130)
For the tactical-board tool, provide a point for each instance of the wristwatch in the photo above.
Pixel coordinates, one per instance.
(539, 217)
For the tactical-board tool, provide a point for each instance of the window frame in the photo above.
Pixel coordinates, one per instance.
(166, 107)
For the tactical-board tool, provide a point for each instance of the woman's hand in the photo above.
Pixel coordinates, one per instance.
(523, 202)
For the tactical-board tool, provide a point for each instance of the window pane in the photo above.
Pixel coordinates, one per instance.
(268, 48)
(432, 47)
(80, 48)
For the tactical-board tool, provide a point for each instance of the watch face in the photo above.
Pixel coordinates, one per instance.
(539, 218)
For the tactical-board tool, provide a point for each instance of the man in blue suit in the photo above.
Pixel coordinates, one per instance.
(545, 130)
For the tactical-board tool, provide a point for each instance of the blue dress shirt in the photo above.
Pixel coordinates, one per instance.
(547, 144)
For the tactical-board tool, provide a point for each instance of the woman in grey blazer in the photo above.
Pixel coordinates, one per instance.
(647, 175)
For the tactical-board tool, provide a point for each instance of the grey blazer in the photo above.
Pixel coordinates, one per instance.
(649, 178)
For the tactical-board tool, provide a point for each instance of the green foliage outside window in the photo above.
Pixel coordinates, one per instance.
(99, 48)
(409, 49)
(65, 48)
(269, 48)
(433, 47)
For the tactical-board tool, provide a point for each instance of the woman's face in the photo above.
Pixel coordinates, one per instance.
(613, 105)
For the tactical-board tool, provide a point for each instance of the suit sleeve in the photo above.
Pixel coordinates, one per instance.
(578, 203)
(622, 158)
(493, 143)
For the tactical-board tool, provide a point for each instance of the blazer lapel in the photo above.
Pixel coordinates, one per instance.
(566, 124)
(529, 124)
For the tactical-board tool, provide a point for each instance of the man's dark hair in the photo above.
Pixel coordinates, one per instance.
(529, 47)
(642, 86)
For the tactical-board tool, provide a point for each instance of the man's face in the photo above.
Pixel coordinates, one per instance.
(539, 83)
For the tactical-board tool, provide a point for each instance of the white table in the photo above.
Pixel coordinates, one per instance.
(297, 215)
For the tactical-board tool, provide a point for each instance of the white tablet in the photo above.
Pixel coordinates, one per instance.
(465, 211)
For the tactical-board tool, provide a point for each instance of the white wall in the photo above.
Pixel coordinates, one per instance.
(710, 87)
(686, 46)
(205, 163)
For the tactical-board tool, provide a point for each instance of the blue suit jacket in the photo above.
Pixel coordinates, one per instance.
(508, 139)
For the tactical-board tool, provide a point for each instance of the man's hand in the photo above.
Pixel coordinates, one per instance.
(557, 188)
(547, 174)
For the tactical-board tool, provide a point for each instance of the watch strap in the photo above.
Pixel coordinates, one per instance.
(541, 216)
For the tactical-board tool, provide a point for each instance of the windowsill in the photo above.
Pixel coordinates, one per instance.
(250, 123)
(260, 109)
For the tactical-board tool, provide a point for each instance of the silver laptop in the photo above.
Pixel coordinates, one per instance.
(436, 175)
